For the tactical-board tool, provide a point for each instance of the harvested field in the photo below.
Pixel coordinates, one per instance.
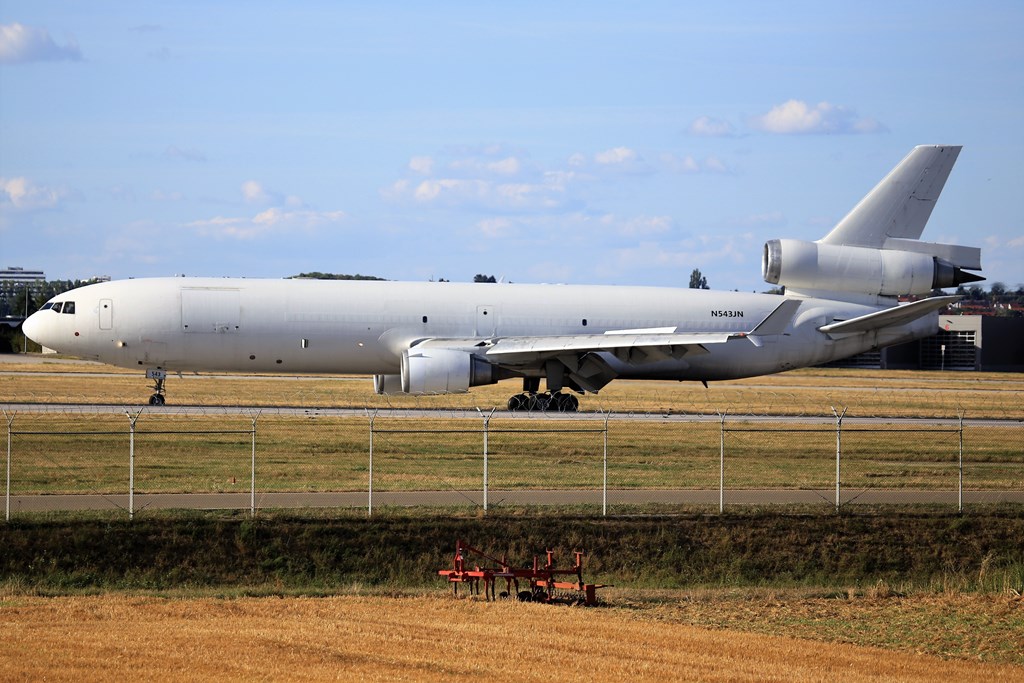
(417, 638)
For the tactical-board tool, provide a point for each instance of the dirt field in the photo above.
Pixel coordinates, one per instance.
(421, 638)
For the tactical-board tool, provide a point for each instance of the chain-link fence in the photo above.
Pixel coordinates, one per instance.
(252, 459)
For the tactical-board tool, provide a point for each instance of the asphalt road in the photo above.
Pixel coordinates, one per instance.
(12, 409)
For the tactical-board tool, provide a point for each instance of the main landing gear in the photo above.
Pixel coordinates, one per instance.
(532, 400)
(558, 402)
(158, 376)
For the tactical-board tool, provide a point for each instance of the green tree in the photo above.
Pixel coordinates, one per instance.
(698, 281)
(484, 278)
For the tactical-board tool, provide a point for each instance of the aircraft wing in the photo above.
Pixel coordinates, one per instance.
(898, 315)
(635, 346)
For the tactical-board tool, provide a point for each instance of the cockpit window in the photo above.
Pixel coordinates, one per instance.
(57, 306)
(46, 306)
(69, 306)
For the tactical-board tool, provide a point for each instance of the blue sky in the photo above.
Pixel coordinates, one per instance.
(580, 142)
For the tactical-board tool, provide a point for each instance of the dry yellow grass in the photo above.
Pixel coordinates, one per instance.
(811, 391)
(421, 639)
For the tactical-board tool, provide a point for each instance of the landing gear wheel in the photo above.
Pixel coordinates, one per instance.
(517, 402)
(565, 403)
(158, 375)
(539, 402)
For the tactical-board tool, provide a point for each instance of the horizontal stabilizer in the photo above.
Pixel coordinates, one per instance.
(959, 256)
(900, 315)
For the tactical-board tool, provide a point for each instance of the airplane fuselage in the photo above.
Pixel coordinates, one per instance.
(362, 327)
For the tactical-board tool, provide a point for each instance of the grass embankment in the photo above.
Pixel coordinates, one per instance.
(309, 552)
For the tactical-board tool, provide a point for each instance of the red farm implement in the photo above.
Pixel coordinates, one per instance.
(532, 583)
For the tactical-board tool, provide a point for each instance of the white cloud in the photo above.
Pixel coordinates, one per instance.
(24, 195)
(273, 220)
(485, 194)
(617, 155)
(20, 44)
(705, 126)
(421, 165)
(796, 117)
(1016, 242)
(476, 166)
(615, 160)
(254, 192)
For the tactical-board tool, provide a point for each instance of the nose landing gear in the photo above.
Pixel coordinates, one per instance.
(158, 376)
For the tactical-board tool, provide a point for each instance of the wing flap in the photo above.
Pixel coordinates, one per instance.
(523, 349)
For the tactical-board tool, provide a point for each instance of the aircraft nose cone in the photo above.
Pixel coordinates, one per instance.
(33, 327)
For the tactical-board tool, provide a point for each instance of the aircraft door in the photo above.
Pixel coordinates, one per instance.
(106, 314)
(486, 321)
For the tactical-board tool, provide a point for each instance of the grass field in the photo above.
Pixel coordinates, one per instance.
(436, 639)
(75, 453)
(811, 391)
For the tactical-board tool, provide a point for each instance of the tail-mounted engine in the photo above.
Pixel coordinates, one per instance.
(903, 267)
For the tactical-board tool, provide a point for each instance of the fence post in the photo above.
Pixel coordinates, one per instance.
(131, 462)
(839, 449)
(252, 482)
(369, 498)
(960, 473)
(604, 483)
(487, 420)
(10, 422)
(721, 465)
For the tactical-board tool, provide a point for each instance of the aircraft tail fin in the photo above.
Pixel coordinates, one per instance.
(900, 205)
(874, 253)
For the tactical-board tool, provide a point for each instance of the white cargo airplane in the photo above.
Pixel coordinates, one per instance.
(434, 338)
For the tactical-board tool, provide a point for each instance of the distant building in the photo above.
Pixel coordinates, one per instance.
(16, 274)
(964, 342)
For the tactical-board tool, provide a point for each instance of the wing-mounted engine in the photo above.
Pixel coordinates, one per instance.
(438, 370)
(901, 267)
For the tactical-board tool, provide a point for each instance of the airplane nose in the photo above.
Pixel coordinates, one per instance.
(33, 327)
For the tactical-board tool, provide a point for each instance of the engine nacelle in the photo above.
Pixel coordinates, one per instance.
(804, 265)
(387, 384)
(439, 371)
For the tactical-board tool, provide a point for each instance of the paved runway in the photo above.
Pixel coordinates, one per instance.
(497, 499)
